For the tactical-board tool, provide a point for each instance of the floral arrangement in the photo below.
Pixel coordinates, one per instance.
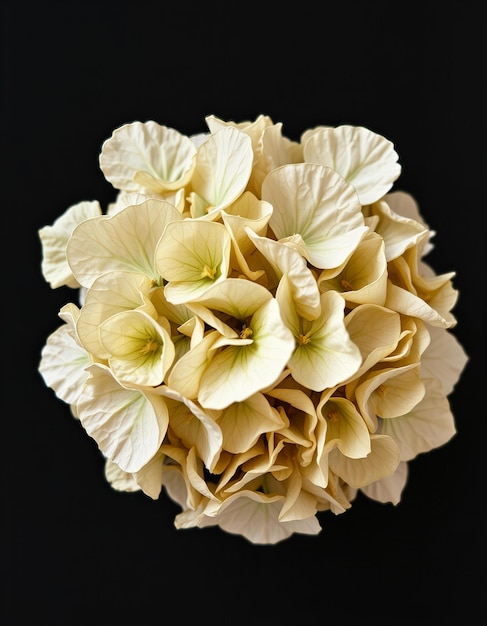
(255, 331)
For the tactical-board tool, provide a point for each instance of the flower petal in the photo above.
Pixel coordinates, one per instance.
(127, 424)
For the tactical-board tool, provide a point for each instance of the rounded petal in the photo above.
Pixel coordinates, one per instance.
(315, 202)
(367, 160)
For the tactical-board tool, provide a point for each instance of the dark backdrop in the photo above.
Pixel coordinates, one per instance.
(74, 551)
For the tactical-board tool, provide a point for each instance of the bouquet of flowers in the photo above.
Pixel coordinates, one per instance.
(255, 332)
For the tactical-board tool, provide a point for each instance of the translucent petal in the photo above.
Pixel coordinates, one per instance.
(118, 479)
(223, 167)
(367, 160)
(146, 155)
(128, 425)
(444, 358)
(255, 516)
(428, 425)
(124, 241)
(389, 488)
(382, 461)
(54, 239)
(63, 365)
(319, 205)
(149, 477)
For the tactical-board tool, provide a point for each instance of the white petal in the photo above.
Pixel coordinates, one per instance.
(127, 424)
(316, 203)
(54, 240)
(124, 241)
(367, 160)
(141, 156)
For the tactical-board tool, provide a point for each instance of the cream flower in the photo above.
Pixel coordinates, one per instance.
(324, 355)
(258, 335)
(140, 348)
(255, 357)
(192, 256)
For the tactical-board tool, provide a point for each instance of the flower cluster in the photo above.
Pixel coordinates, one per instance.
(255, 329)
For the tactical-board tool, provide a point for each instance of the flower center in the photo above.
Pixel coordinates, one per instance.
(332, 416)
(208, 272)
(246, 332)
(303, 339)
(150, 346)
(346, 285)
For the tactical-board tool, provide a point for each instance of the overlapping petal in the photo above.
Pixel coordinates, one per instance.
(324, 355)
(143, 156)
(101, 244)
(367, 160)
(192, 256)
(315, 202)
(54, 239)
(222, 171)
(128, 425)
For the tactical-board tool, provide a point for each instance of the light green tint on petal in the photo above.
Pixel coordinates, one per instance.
(192, 255)
(238, 372)
(110, 294)
(324, 355)
(141, 350)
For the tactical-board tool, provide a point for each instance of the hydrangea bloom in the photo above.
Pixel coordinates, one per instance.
(256, 333)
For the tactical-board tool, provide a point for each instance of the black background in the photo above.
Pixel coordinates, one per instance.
(75, 552)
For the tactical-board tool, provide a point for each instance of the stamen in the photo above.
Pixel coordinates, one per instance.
(381, 390)
(208, 272)
(332, 416)
(150, 346)
(246, 332)
(346, 285)
(303, 339)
